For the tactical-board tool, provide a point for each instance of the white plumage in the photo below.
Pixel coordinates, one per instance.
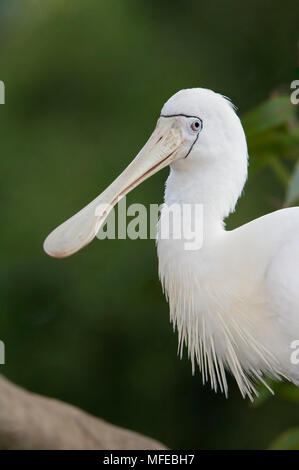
(235, 301)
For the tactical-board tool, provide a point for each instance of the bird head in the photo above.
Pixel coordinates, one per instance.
(197, 131)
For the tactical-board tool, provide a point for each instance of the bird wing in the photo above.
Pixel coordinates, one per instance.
(264, 240)
(273, 257)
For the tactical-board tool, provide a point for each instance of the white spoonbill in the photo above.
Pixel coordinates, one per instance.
(234, 301)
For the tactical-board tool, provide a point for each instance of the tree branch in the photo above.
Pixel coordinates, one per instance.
(30, 421)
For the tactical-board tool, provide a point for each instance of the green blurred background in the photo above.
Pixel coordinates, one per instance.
(85, 82)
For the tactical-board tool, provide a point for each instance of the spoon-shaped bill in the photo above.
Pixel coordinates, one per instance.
(160, 150)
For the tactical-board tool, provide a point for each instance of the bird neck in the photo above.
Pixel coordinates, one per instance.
(210, 188)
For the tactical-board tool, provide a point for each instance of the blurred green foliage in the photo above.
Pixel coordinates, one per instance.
(292, 196)
(289, 440)
(273, 137)
(84, 86)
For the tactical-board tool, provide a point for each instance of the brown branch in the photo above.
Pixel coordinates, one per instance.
(30, 421)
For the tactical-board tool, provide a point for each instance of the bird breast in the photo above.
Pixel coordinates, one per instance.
(219, 305)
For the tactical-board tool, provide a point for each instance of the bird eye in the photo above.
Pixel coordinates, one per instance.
(196, 125)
